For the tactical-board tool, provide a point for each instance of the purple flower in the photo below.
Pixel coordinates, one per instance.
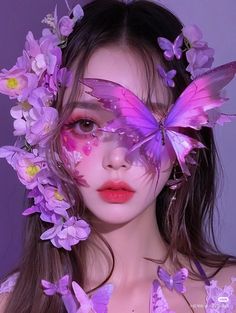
(200, 60)
(67, 234)
(44, 54)
(66, 25)
(41, 122)
(17, 83)
(49, 202)
(31, 169)
(199, 56)
(55, 199)
(194, 36)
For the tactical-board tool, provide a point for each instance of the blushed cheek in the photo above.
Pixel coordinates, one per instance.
(76, 154)
(84, 146)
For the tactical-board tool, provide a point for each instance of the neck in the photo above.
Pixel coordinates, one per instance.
(131, 243)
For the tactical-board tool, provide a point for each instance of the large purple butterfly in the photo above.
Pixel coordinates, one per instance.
(173, 282)
(171, 50)
(97, 303)
(193, 109)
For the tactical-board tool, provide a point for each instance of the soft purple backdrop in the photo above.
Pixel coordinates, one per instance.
(216, 18)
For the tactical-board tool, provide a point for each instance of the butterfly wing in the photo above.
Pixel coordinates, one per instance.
(83, 299)
(130, 111)
(183, 145)
(194, 109)
(123, 103)
(165, 277)
(177, 46)
(101, 297)
(179, 279)
(49, 288)
(203, 94)
(167, 46)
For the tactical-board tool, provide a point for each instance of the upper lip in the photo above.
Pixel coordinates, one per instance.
(115, 186)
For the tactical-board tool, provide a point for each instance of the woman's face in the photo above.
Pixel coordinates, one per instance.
(117, 190)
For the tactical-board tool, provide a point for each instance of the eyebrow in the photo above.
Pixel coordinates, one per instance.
(91, 105)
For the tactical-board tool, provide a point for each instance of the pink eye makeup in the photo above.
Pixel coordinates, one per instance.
(82, 130)
(82, 127)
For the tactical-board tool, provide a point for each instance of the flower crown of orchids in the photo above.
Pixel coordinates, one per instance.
(34, 82)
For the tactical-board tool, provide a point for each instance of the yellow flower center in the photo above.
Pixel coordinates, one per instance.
(58, 196)
(12, 83)
(32, 170)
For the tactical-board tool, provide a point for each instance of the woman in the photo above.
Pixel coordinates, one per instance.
(130, 200)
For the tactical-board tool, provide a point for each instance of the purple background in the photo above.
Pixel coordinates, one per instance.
(216, 19)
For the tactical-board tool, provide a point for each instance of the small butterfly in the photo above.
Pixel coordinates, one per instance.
(167, 76)
(154, 137)
(60, 287)
(171, 50)
(96, 303)
(173, 281)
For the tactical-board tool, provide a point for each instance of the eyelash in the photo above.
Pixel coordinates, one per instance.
(71, 125)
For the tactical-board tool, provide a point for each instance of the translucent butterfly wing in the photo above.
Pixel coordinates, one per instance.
(132, 116)
(177, 46)
(101, 297)
(63, 285)
(124, 104)
(203, 94)
(49, 288)
(178, 280)
(83, 299)
(182, 146)
(166, 45)
(165, 277)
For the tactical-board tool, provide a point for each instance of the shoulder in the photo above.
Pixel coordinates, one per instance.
(3, 301)
(226, 276)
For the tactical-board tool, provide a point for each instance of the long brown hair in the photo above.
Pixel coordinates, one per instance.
(187, 225)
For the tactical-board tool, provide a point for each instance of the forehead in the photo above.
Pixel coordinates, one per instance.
(122, 66)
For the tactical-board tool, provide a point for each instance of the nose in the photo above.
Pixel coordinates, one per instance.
(116, 159)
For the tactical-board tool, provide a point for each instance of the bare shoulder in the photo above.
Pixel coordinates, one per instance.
(226, 275)
(3, 301)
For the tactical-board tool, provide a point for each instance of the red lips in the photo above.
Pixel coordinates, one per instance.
(116, 192)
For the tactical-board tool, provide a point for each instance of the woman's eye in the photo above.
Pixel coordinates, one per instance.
(83, 126)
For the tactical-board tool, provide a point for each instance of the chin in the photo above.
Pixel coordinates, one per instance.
(114, 215)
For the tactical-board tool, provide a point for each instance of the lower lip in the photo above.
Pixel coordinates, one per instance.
(116, 196)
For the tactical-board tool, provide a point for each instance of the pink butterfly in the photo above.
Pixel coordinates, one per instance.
(171, 50)
(96, 303)
(60, 287)
(173, 282)
(189, 111)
